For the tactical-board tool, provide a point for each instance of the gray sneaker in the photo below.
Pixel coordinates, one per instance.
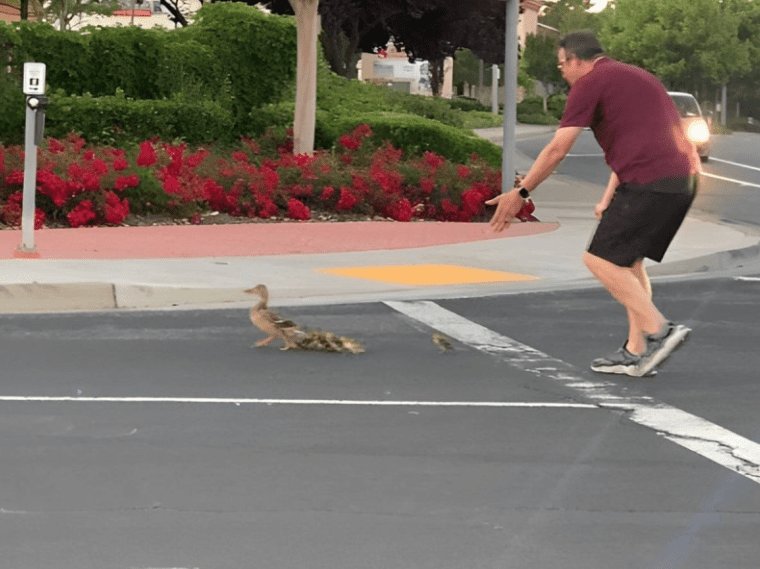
(660, 346)
(621, 362)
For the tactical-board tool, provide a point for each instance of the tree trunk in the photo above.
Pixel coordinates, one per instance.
(307, 20)
(436, 76)
(24, 9)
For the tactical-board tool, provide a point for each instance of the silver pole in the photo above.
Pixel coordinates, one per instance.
(510, 95)
(495, 89)
(30, 183)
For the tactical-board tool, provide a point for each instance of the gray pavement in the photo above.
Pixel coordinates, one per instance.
(551, 258)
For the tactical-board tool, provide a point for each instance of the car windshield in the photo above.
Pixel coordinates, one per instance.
(686, 105)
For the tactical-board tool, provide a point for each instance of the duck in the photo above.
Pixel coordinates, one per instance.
(269, 322)
(292, 335)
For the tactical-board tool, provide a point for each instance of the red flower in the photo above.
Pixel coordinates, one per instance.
(123, 182)
(171, 185)
(349, 143)
(472, 202)
(147, 155)
(39, 218)
(11, 211)
(15, 178)
(82, 214)
(53, 187)
(120, 164)
(401, 210)
(327, 192)
(55, 146)
(116, 210)
(347, 200)
(99, 167)
(267, 208)
(297, 210)
(434, 161)
(427, 185)
(195, 159)
(463, 171)
(240, 157)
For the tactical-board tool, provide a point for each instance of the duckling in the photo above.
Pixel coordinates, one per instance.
(269, 322)
(443, 342)
(321, 340)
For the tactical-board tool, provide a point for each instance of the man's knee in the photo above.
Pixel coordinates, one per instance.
(594, 263)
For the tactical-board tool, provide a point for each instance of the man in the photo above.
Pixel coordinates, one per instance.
(652, 185)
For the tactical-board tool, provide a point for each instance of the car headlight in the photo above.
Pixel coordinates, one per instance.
(698, 132)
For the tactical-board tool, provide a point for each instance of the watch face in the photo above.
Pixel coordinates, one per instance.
(524, 193)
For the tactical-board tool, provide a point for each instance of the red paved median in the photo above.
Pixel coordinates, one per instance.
(253, 239)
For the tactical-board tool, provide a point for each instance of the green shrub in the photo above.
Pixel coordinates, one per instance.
(256, 51)
(556, 104)
(126, 58)
(467, 105)
(537, 118)
(428, 107)
(121, 120)
(742, 124)
(413, 135)
(530, 105)
(66, 54)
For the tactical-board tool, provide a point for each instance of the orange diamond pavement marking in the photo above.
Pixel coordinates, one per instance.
(427, 274)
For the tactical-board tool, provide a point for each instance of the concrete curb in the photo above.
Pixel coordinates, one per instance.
(75, 296)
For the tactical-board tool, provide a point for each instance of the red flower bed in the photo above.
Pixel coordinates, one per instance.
(78, 185)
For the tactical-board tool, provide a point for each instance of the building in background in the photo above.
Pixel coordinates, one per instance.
(392, 68)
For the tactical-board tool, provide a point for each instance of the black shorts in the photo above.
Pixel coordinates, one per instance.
(642, 220)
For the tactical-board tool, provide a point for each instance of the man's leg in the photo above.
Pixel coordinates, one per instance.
(630, 287)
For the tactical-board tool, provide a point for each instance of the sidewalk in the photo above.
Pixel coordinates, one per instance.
(322, 263)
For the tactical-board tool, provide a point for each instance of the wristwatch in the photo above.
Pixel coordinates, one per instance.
(524, 194)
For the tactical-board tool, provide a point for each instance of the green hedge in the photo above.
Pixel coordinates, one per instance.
(233, 54)
(119, 119)
(413, 135)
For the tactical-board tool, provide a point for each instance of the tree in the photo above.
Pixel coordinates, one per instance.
(690, 45)
(540, 62)
(570, 15)
(64, 11)
(747, 85)
(306, 81)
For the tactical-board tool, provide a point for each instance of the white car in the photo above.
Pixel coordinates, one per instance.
(694, 124)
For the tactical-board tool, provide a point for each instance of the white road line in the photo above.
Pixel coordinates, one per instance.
(748, 279)
(689, 431)
(735, 163)
(244, 401)
(735, 181)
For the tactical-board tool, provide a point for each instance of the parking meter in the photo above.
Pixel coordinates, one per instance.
(38, 103)
(34, 89)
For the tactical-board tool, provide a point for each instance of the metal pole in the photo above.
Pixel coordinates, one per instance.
(495, 89)
(30, 183)
(510, 95)
(723, 105)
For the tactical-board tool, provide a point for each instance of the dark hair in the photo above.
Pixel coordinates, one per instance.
(582, 44)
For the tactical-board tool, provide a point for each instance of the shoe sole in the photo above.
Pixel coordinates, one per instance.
(629, 370)
(670, 345)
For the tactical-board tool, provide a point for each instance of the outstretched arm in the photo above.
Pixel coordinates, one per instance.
(510, 203)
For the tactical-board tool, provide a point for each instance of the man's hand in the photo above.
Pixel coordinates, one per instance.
(507, 207)
(600, 208)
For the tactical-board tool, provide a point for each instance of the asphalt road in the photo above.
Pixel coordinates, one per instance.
(730, 188)
(163, 439)
(239, 457)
